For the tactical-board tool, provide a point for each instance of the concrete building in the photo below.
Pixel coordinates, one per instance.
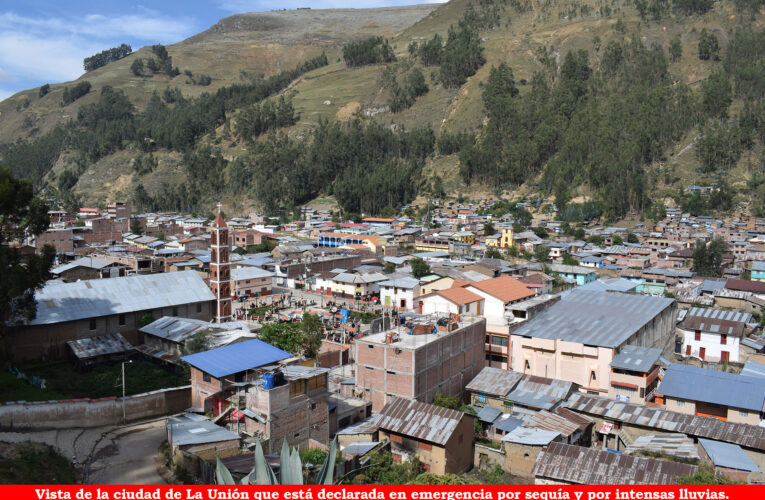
(292, 404)
(251, 281)
(441, 438)
(634, 374)
(399, 293)
(436, 354)
(577, 338)
(713, 335)
(710, 393)
(70, 311)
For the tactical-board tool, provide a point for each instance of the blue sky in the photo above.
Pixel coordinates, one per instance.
(45, 41)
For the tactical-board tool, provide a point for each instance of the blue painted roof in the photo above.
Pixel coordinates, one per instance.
(236, 358)
(710, 386)
(728, 455)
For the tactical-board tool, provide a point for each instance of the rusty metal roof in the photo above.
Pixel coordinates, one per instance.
(716, 321)
(540, 392)
(578, 465)
(420, 421)
(543, 419)
(748, 436)
(494, 381)
(92, 347)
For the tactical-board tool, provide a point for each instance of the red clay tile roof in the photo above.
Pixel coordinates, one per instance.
(504, 288)
(459, 296)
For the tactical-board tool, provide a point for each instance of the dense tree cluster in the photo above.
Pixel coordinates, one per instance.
(21, 214)
(709, 47)
(373, 50)
(162, 64)
(403, 96)
(708, 257)
(258, 118)
(73, 93)
(590, 126)
(110, 123)
(105, 57)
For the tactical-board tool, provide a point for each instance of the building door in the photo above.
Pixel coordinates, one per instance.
(702, 352)
(725, 356)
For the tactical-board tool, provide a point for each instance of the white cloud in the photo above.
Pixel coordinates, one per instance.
(148, 25)
(52, 49)
(24, 56)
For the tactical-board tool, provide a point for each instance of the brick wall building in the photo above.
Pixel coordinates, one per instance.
(420, 362)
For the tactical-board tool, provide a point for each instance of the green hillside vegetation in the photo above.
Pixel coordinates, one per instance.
(623, 103)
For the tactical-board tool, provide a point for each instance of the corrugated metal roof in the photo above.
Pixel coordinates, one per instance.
(506, 422)
(104, 297)
(578, 465)
(91, 262)
(99, 346)
(236, 358)
(728, 455)
(367, 426)
(606, 319)
(360, 448)
(749, 436)
(675, 444)
(420, 421)
(249, 273)
(540, 392)
(710, 386)
(716, 321)
(635, 358)
(494, 381)
(753, 369)
(552, 422)
(195, 429)
(488, 414)
(530, 435)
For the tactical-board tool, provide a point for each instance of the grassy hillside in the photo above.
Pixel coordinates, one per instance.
(241, 47)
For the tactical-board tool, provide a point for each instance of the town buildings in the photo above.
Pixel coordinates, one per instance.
(436, 354)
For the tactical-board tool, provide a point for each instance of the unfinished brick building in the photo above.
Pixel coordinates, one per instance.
(434, 354)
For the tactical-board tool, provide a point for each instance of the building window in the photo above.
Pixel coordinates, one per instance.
(297, 389)
(313, 406)
(528, 366)
(122, 320)
(93, 324)
(481, 398)
(175, 311)
(592, 375)
(697, 337)
(681, 403)
(199, 307)
(742, 413)
(206, 377)
(499, 341)
(723, 339)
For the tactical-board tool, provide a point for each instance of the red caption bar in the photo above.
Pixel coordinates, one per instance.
(439, 492)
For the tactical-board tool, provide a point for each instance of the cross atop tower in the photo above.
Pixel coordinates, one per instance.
(219, 207)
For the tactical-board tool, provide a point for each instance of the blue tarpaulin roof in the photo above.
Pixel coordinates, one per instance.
(236, 358)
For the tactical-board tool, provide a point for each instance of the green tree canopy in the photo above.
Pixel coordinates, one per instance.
(419, 268)
(21, 214)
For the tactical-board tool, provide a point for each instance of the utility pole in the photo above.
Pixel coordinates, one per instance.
(124, 419)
